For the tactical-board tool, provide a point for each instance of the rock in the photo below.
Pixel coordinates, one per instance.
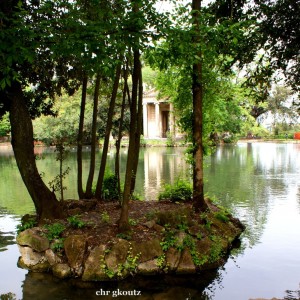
(51, 257)
(148, 250)
(31, 257)
(172, 259)
(94, 270)
(117, 255)
(150, 223)
(194, 230)
(203, 247)
(75, 246)
(186, 264)
(158, 228)
(42, 266)
(61, 271)
(180, 237)
(32, 238)
(148, 268)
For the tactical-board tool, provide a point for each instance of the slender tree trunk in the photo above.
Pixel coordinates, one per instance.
(80, 138)
(45, 202)
(119, 138)
(107, 132)
(138, 132)
(197, 88)
(123, 221)
(89, 184)
(61, 153)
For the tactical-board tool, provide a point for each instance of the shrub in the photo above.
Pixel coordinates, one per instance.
(180, 191)
(110, 187)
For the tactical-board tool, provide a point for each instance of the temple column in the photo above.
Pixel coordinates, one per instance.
(157, 119)
(145, 120)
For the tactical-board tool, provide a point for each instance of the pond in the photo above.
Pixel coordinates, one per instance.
(259, 183)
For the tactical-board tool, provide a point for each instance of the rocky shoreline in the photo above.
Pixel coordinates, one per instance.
(173, 240)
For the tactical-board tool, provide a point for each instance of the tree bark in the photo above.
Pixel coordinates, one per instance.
(89, 184)
(119, 138)
(107, 132)
(123, 221)
(138, 132)
(45, 202)
(197, 88)
(80, 138)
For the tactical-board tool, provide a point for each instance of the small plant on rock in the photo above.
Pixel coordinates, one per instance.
(57, 245)
(54, 231)
(26, 224)
(75, 222)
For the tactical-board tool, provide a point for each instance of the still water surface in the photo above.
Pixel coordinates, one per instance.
(259, 183)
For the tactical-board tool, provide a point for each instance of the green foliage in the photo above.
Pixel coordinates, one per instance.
(216, 250)
(125, 236)
(108, 272)
(105, 217)
(143, 142)
(75, 222)
(161, 261)
(170, 139)
(64, 126)
(136, 197)
(132, 222)
(54, 230)
(131, 261)
(110, 187)
(130, 265)
(169, 239)
(222, 215)
(180, 191)
(4, 125)
(57, 245)
(190, 244)
(26, 224)
(207, 222)
(8, 296)
(57, 183)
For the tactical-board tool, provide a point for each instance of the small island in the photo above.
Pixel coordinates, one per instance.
(165, 238)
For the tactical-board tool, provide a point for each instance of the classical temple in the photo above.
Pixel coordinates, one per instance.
(158, 116)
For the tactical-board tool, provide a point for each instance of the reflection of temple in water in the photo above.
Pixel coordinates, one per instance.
(161, 166)
(158, 116)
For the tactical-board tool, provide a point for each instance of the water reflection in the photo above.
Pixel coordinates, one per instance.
(45, 286)
(260, 183)
(6, 237)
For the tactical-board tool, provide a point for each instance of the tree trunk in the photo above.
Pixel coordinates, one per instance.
(89, 184)
(138, 133)
(45, 202)
(123, 221)
(107, 132)
(119, 138)
(197, 88)
(80, 138)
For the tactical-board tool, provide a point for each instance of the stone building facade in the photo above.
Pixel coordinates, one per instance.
(158, 116)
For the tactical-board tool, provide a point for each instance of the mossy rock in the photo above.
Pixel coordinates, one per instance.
(32, 238)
